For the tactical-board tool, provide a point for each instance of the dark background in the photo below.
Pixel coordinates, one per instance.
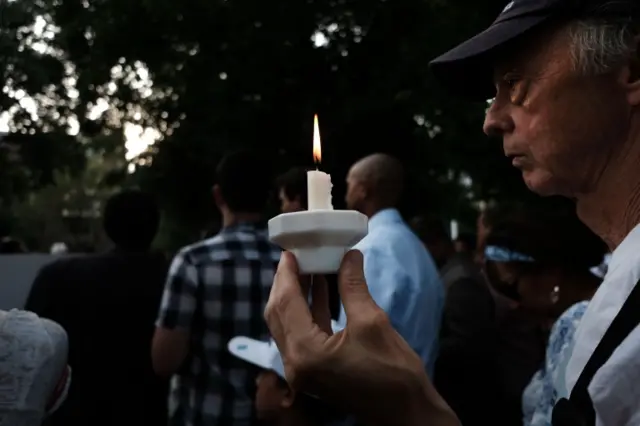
(370, 86)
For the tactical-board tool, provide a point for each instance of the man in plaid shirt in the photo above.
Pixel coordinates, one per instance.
(218, 289)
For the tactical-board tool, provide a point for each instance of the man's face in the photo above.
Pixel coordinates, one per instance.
(558, 126)
(356, 191)
(288, 205)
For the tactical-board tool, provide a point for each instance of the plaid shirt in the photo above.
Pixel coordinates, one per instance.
(218, 289)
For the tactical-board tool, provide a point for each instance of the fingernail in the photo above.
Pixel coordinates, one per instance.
(288, 261)
(286, 256)
(353, 258)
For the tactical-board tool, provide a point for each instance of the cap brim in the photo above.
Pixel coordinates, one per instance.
(260, 353)
(253, 351)
(467, 70)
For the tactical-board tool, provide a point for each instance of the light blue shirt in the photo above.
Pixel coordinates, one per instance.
(404, 282)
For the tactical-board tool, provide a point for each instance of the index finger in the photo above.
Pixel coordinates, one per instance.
(287, 312)
(320, 310)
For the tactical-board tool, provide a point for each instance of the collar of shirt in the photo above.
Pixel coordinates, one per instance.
(245, 226)
(384, 217)
(621, 277)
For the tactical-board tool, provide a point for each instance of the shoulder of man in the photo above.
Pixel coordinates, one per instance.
(229, 246)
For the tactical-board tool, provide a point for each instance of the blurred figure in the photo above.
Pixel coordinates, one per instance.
(33, 367)
(482, 228)
(59, 248)
(218, 289)
(10, 245)
(601, 270)
(276, 402)
(107, 303)
(541, 261)
(486, 219)
(292, 190)
(463, 375)
(401, 275)
(455, 267)
(433, 234)
(465, 243)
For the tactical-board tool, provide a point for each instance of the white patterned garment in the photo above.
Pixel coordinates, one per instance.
(541, 394)
(33, 358)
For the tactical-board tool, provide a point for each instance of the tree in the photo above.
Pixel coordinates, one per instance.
(68, 208)
(36, 101)
(216, 75)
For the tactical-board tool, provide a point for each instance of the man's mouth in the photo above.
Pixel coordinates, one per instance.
(517, 160)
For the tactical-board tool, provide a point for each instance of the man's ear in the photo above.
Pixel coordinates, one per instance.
(364, 191)
(631, 75)
(288, 398)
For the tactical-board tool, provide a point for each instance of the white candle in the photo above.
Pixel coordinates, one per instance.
(318, 183)
(319, 190)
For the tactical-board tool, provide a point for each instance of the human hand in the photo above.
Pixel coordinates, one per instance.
(367, 368)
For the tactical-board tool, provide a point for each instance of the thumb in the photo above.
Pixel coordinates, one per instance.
(288, 267)
(352, 285)
(287, 312)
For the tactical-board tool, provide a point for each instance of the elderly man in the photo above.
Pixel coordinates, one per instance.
(402, 277)
(565, 78)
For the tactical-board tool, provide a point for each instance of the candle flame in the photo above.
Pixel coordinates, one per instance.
(317, 149)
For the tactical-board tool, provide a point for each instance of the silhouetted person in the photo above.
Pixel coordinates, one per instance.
(465, 243)
(464, 371)
(107, 303)
(216, 289)
(434, 236)
(10, 245)
(292, 190)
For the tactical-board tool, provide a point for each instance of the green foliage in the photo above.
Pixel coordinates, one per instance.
(69, 208)
(30, 162)
(246, 73)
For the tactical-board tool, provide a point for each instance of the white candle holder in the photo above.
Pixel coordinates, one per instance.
(318, 238)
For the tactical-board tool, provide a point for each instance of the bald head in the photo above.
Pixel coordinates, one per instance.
(381, 178)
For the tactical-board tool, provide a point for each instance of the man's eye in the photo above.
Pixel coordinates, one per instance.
(511, 81)
(517, 88)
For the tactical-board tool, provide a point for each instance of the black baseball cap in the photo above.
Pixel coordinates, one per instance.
(467, 70)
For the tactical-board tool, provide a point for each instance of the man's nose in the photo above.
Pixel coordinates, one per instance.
(496, 121)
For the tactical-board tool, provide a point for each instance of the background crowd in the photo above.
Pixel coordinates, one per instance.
(516, 320)
(156, 342)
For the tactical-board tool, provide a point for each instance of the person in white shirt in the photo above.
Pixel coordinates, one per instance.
(564, 76)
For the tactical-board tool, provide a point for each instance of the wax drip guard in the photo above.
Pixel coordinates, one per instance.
(318, 239)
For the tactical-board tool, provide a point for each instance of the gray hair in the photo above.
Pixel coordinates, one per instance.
(600, 46)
